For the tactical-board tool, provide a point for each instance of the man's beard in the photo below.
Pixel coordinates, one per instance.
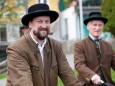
(42, 33)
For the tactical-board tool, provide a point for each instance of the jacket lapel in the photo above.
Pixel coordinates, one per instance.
(47, 55)
(53, 55)
(47, 63)
(36, 53)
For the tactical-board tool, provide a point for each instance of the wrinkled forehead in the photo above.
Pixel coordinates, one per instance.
(96, 22)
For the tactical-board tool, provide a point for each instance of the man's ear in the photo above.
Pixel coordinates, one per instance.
(30, 25)
(87, 26)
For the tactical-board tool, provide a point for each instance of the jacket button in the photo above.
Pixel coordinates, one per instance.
(101, 65)
(97, 46)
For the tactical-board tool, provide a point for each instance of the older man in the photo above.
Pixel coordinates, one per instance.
(94, 57)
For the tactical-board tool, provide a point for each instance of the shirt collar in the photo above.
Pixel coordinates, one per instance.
(45, 40)
(93, 37)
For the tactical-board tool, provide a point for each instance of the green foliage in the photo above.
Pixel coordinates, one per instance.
(67, 2)
(108, 10)
(62, 6)
(2, 76)
(8, 9)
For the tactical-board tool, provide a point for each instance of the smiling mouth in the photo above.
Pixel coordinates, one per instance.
(43, 32)
(97, 31)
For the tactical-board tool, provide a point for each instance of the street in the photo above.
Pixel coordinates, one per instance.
(2, 82)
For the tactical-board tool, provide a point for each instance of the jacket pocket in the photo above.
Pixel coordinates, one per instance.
(55, 68)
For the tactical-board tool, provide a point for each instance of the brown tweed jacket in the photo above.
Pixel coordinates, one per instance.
(87, 63)
(25, 67)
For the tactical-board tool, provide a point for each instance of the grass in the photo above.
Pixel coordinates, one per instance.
(60, 82)
(2, 76)
(75, 72)
(113, 75)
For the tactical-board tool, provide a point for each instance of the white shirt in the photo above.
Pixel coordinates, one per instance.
(92, 37)
(41, 47)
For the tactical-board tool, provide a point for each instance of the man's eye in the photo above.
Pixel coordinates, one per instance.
(94, 24)
(47, 21)
(39, 21)
(100, 25)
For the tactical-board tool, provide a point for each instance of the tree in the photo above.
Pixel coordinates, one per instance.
(108, 10)
(10, 10)
(67, 2)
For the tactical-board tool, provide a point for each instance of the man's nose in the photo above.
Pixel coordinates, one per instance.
(97, 27)
(44, 25)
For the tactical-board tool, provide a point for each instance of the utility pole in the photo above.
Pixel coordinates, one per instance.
(26, 5)
(38, 1)
(81, 18)
(42, 1)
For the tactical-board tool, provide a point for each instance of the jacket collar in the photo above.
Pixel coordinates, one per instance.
(34, 47)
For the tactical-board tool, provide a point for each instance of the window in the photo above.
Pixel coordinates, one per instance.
(92, 2)
(3, 36)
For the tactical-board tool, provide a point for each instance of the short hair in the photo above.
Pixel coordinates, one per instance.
(24, 27)
(91, 22)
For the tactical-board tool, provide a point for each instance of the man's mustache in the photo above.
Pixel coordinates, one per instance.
(46, 29)
(50, 33)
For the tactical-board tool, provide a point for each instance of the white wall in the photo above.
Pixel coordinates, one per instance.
(12, 32)
(72, 27)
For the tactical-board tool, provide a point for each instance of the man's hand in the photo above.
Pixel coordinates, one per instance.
(96, 79)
